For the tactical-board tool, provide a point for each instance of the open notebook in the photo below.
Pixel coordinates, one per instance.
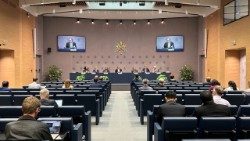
(54, 127)
(59, 102)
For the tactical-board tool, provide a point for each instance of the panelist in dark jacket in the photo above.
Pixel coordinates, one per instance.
(44, 98)
(170, 108)
(209, 108)
(27, 127)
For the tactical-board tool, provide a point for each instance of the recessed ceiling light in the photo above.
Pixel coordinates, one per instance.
(80, 11)
(78, 21)
(134, 22)
(160, 11)
(107, 22)
(162, 21)
(92, 22)
(74, 2)
(121, 22)
(148, 22)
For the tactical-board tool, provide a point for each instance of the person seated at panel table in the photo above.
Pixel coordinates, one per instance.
(106, 70)
(171, 108)
(27, 127)
(67, 85)
(44, 98)
(135, 71)
(160, 83)
(231, 86)
(5, 86)
(118, 70)
(34, 84)
(85, 69)
(146, 69)
(145, 85)
(95, 70)
(209, 108)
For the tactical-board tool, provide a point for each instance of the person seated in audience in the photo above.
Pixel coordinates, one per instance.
(96, 82)
(217, 93)
(231, 86)
(44, 98)
(160, 83)
(95, 70)
(118, 70)
(5, 86)
(213, 83)
(146, 69)
(27, 127)
(85, 69)
(209, 108)
(145, 85)
(171, 108)
(34, 84)
(67, 85)
(137, 78)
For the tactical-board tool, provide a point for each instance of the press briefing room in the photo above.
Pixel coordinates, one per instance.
(125, 70)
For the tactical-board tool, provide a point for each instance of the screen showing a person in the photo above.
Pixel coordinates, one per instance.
(71, 43)
(54, 126)
(169, 43)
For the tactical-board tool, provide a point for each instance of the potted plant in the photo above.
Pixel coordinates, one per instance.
(186, 73)
(80, 77)
(54, 73)
(162, 76)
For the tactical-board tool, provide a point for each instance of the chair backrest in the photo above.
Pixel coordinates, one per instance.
(10, 111)
(183, 91)
(214, 124)
(235, 99)
(179, 124)
(234, 92)
(192, 99)
(197, 91)
(22, 92)
(233, 110)
(89, 102)
(175, 88)
(18, 99)
(244, 110)
(190, 88)
(243, 123)
(5, 100)
(5, 93)
(149, 100)
(189, 109)
(4, 121)
(68, 99)
(65, 111)
(47, 111)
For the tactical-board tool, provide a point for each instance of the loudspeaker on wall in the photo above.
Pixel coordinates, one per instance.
(49, 50)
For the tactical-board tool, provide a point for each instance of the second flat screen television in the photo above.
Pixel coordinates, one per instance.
(169, 43)
(71, 43)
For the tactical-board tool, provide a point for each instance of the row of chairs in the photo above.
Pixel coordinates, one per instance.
(241, 111)
(178, 128)
(68, 130)
(78, 114)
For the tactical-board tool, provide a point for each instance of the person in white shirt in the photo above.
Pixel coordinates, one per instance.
(231, 86)
(217, 93)
(34, 84)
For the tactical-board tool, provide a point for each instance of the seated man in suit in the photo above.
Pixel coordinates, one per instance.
(44, 98)
(5, 86)
(170, 108)
(27, 127)
(209, 108)
(145, 85)
(96, 82)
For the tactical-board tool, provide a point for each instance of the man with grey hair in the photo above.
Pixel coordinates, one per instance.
(44, 98)
(217, 93)
(145, 85)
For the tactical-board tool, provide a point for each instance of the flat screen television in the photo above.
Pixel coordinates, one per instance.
(71, 43)
(169, 43)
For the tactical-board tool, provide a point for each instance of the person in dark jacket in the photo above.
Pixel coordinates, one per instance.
(171, 108)
(5, 86)
(209, 108)
(27, 127)
(44, 98)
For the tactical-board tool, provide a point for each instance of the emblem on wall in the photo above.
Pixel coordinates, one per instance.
(120, 47)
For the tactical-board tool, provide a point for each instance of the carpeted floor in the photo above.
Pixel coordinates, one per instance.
(119, 121)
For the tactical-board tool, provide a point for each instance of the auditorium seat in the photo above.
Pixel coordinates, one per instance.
(5, 100)
(243, 126)
(10, 111)
(235, 99)
(3, 122)
(244, 110)
(192, 99)
(217, 127)
(18, 99)
(47, 111)
(68, 99)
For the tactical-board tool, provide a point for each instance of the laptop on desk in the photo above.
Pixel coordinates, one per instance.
(54, 127)
(59, 102)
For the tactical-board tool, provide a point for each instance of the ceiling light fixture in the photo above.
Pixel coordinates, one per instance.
(134, 22)
(162, 21)
(54, 11)
(74, 2)
(120, 22)
(198, 2)
(92, 22)
(107, 22)
(160, 11)
(28, 15)
(141, 3)
(102, 3)
(166, 2)
(78, 21)
(42, 2)
(186, 12)
(148, 22)
(80, 11)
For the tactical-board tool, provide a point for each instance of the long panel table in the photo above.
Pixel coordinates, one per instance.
(118, 78)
